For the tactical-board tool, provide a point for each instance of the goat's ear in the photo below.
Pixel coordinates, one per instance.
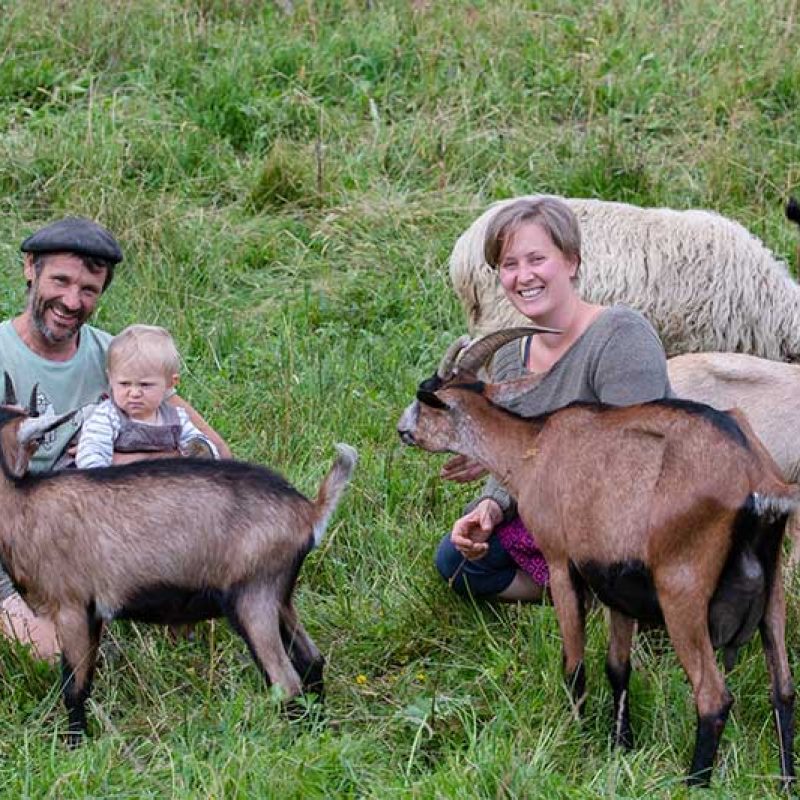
(34, 428)
(430, 399)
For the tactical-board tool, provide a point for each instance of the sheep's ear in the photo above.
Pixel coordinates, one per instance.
(431, 399)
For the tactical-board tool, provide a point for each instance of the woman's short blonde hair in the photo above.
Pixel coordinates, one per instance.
(552, 214)
(148, 346)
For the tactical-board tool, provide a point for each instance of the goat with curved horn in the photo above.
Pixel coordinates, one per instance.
(479, 352)
(448, 363)
(715, 546)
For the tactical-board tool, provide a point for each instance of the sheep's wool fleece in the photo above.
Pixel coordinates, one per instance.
(702, 280)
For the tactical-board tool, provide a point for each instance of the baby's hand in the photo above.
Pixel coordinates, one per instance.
(197, 448)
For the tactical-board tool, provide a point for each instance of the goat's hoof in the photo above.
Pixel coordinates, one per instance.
(700, 779)
(313, 682)
(303, 707)
(624, 740)
(75, 739)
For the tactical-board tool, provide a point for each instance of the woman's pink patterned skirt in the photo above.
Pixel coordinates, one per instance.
(521, 545)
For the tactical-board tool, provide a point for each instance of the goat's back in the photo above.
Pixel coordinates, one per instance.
(185, 521)
(626, 482)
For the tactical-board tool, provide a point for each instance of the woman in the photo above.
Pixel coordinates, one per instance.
(603, 354)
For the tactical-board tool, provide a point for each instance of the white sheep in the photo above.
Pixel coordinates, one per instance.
(703, 281)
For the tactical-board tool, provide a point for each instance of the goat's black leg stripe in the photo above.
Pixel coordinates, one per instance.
(619, 678)
(709, 732)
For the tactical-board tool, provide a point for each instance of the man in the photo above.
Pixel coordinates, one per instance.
(50, 345)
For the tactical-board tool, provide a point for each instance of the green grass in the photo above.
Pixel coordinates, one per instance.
(287, 191)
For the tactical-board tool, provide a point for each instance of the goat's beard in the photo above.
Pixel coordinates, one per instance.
(38, 307)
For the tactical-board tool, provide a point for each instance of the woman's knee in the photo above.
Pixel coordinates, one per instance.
(448, 560)
(485, 577)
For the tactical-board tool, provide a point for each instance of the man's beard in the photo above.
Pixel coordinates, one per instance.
(38, 308)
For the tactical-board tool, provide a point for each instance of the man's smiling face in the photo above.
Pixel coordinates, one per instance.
(63, 295)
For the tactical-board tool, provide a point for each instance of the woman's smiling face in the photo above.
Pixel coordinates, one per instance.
(535, 275)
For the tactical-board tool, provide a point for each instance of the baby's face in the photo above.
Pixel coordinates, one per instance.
(139, 393)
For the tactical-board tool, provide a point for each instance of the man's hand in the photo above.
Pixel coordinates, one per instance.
(199, 423)
(471, 532)
(462, 469)
(129, 458)
(17, 621)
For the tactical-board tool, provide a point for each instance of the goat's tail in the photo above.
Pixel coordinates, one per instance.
(332, 487)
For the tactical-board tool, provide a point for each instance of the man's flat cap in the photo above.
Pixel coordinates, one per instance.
(75, 235)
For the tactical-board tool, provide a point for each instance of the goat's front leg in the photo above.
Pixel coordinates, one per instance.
(569, 611)
(686, 617)
(78, 632)
(773, 638)
(618, 670)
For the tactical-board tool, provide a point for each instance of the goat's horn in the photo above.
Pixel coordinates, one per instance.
(33, 411)
(449, 359)
(478, 353)
(11, 395)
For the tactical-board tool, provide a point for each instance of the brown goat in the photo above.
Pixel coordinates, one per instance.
(168, 541)
(668, 511)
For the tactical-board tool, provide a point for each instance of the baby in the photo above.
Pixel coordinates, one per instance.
(142, 364)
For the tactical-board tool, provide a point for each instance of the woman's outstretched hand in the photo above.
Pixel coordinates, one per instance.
(462, 469)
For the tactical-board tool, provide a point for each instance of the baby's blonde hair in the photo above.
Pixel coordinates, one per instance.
(147, 346)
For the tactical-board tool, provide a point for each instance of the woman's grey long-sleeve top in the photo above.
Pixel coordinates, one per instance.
(618, 360)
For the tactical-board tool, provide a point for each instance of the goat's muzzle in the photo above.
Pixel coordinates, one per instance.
(408, 423)
(407, 438)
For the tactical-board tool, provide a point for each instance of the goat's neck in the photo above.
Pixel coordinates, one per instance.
(15, 505)
(504, 444)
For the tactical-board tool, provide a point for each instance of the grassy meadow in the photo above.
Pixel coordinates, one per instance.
(287, 189)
